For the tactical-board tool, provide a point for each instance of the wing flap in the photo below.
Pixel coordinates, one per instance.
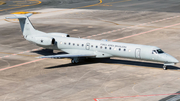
(68, 56)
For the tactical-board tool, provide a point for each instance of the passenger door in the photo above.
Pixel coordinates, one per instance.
(154, 54)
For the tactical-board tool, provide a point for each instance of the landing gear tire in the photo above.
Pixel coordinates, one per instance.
(164, 67)
(75, 60)
(72, 61)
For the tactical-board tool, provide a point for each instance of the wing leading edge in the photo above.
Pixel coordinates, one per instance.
(68, 56)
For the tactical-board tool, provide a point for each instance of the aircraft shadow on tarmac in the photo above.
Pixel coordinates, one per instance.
(103, 60)
(47, 52)
(173, 97)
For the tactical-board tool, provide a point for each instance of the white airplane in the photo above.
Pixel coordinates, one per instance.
(85, 48)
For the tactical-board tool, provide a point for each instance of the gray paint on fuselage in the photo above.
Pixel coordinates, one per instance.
(145, 53)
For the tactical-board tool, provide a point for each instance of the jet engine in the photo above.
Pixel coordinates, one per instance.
(59, 34)
(40, 40)
(45, 41)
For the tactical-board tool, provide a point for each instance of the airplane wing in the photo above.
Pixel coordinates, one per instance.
(67, 56)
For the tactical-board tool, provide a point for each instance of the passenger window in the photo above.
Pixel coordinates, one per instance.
(73, 44)
(119, 49)
(69, 43)
(77, 44)
(101, 47)
(105, 47)
(124, 49)
(82, 45)
(65, 43)
(91, 45)
(109, 48)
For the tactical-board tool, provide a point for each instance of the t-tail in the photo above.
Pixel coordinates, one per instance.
(25, 24)
(31, 34)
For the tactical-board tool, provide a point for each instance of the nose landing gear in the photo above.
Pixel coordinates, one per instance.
(168, 64)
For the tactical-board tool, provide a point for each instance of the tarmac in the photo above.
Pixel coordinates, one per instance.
(23, 77)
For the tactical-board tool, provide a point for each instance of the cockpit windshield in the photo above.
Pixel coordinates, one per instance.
(159, 51)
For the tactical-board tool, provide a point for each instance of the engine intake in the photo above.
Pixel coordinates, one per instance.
(53, 41)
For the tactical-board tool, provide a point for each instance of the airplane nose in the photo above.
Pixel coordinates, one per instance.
(173, 60)
(170, 59)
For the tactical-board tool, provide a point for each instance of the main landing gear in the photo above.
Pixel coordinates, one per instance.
(165, 67)
(75, 60)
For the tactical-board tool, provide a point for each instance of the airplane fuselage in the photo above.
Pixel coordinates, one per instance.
(104, 49)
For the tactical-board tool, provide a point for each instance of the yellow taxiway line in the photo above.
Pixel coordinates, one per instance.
(2, 3)
(100, 1)
(23, 5)
(116, 2)
(22, 12)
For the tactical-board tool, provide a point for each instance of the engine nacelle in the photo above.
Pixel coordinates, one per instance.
(44, 41)
(59, 34)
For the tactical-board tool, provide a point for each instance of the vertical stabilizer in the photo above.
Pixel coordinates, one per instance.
(25, 24)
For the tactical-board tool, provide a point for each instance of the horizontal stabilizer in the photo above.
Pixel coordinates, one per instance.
(19, 16)
(68, 56)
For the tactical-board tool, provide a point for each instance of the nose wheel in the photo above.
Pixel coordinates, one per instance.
(165, 67)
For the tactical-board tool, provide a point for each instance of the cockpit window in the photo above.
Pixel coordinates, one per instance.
(159, 51)
(154, 52)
